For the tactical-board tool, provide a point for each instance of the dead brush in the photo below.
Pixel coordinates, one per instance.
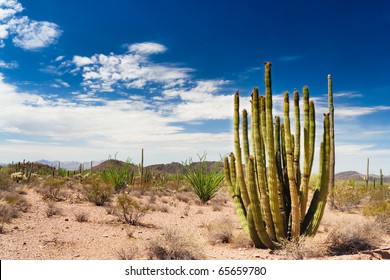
(7, 213)
(354, 237)
(301, 249)
(52, 210)
(17, 201)
(53, 189)
(81, 217)
(128, 254)
(174, 246)
(220, 231)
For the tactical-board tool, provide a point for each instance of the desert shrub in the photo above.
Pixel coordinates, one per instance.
(53, 189)
(5, 180)
(18, 201)
(131, 211)
(52, 210)
(7, 213)
(203, 180)
(303, 248)
(128, 254)
(118, 175)
(173, 246)
(348, 198)
(380, 210)
(220, 231)
(97, 191)
(353, 237)
(81, 217)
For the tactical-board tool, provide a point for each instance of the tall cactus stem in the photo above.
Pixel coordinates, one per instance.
(332, 155)
(260, 162)
(317, 206)
(237, 148)
(295, 208)
(297, 137)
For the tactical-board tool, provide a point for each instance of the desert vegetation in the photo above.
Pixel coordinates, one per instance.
(258, 204)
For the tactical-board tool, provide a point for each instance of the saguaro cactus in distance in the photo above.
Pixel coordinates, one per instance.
(271, 196)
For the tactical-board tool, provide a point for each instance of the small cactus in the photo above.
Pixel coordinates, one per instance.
(271, 196)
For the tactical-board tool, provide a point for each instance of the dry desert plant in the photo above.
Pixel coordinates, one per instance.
(52, 210)
(220, 231)
(303, 248)
(131, 211)
(174, 246)
(128, 254)
(53, 189)
(7, 213)
(353, 237)
(81, 217)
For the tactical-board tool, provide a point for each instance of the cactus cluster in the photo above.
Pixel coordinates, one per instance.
(269, 188)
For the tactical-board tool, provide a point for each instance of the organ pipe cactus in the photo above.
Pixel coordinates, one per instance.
(271, 193)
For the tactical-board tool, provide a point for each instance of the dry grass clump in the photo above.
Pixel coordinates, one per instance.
(111, 209)
(81, 217)
(52, 210)
(183, 197)
(303, 248)
(352, 237)
(173, 246)
(7, 213)
(17, 201)
(379, 207)
(242, 241)
(220, 231)
(128, 254)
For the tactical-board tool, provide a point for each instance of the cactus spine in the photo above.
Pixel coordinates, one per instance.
(271, 198)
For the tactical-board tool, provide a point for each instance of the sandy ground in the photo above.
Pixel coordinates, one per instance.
(36, 236)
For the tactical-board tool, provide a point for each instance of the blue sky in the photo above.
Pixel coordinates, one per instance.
(82, 80)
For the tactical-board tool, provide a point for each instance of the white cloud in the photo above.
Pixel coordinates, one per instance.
(80, 129)
(8, 65)
(147, 48)
(105, 73)
(8, 8)
(81, 61)
(26, 33)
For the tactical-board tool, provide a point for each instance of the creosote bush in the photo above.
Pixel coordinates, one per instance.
(130, 210)
(97, 191)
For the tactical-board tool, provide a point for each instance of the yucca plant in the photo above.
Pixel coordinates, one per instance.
(271, 193)
(204, 181)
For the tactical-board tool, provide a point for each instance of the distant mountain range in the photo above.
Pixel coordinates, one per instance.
(176, 167)
(69, 165)
(353, 175)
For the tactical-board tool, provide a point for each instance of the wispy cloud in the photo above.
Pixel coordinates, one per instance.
(347, 94)
(8, 65)
(26, 33)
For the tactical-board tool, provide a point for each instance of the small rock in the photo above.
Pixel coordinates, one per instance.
(105, 235)
(24, 243)
(76, 256)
